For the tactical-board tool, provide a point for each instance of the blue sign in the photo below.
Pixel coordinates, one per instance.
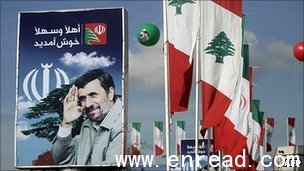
(188, 153)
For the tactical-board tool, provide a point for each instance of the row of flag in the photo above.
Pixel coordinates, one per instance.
(158, 134)
(211, 33)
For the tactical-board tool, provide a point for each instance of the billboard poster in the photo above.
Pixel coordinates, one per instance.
(71, 88)
(188, 149)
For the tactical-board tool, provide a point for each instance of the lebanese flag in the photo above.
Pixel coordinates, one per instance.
(221, 61)
(269, 129)
(183, 26)
(135, 141)
(158, 138)
(291, 132)
(180, 134)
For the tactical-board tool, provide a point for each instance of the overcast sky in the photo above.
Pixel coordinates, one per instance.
(272, 29)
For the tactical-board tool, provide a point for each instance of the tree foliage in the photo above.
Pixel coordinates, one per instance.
(49, 113)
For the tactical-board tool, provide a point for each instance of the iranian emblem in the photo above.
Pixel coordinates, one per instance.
(243, 102)
(95, 34)
(45, 83)
(178, 5)
(221, 47)
(256, 139)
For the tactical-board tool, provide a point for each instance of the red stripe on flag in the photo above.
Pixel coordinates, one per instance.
(290, 144)
(158, 151)
(233, 143)
(269, 147)
(291, 122)
(225, 136)
(234, 6)
(180, 79)
(178, 149)
(215, 105)
(262, 134)
(135, 151)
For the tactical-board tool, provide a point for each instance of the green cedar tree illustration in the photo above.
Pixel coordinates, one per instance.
(178, 4)
(220, 46)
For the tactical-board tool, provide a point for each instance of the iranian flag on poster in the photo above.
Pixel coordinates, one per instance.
(95, 34)
(135, 141)
(180, 134)
(269, 129)
(183, 26)
(291, 132)
(221, 63)
(158, 138)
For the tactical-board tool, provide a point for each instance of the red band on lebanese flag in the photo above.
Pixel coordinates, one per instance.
(180, 79)
(232, 141)
(135, 151)
(158, 151)
(215, 105)
(235, 7)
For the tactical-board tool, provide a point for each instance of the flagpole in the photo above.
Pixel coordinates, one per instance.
(287, 128)
(208, 152)
(265, 133)
(166, 76)
(154, 142)
(197, 83)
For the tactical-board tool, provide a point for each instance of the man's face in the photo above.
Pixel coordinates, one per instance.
(95, 100)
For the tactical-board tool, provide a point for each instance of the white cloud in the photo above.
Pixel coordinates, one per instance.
(272, 56)
(21, 126)
(250, 38)
(146, 67)
(87, 61)
(23, 105)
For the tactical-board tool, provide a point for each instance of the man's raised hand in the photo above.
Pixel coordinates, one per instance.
(71, 110)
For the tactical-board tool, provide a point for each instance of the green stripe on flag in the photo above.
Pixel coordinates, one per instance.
(261, 117)
(159, 125)
(136, 125)
(243, 34)
(255, 105)
(181, 124)
(246, 62)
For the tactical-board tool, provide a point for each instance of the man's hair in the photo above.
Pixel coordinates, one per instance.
(105, 79)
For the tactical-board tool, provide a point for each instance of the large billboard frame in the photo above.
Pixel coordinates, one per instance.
(123, 83)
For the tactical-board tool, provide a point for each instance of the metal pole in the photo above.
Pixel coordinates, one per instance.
(167, 84)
